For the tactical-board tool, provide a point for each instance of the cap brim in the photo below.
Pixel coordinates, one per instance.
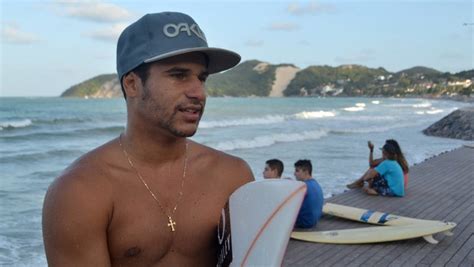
(219, 59)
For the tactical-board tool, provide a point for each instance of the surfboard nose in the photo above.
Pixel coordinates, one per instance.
(262, 216)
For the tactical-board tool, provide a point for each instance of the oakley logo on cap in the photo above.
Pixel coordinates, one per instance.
(173, 30)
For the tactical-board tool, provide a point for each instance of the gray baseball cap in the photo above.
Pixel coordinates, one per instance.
(162, 35)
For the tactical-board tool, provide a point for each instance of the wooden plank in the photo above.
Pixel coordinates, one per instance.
(421, 252)
(399, 255)
(440, 255)
(468, 260)
(462, 253)
(427, 248)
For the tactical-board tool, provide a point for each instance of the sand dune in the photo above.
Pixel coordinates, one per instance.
(283, 76)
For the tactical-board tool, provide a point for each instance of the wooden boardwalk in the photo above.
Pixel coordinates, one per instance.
(440, 188)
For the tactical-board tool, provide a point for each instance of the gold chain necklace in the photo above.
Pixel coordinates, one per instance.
(171, 222)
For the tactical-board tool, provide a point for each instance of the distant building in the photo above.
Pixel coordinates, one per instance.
(326, 89)
(465, 83)
(303, 92)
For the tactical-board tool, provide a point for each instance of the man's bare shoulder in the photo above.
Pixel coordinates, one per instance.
(77, 210)
(88, 175)
(223, 164)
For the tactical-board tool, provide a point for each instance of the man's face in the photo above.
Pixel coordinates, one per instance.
(173, 98)
(269, 173)
(300, 174)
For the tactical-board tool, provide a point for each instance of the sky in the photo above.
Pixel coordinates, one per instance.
(48, 46)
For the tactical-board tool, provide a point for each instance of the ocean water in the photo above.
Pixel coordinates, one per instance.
(39, 137)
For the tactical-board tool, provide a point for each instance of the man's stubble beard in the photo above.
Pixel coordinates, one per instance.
(158, 109)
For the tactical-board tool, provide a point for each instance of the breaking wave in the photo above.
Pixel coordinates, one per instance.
(242, 122)
(269, 119)
(314, 114)
(15, 124)
(268, 140)
(354, 109)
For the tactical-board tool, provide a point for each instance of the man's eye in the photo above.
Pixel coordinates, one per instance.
(179, 76)
(203, 78)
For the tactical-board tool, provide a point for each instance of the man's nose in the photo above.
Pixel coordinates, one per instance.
(197, 89)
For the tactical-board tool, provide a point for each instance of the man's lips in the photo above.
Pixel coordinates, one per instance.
(191, 113)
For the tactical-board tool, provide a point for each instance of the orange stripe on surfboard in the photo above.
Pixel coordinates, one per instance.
(303, 187)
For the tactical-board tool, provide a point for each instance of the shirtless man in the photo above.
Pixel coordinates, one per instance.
(150, 197)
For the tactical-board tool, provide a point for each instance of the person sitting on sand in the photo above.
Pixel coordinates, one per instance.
(312, 207)
(386, 179)
(399, 155)
(273, 169)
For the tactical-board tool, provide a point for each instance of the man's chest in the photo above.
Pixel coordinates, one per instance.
(141, 229)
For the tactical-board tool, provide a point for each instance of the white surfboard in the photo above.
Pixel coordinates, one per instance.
(262, 216)
(369, 216)
(375, 234)
(394, 227)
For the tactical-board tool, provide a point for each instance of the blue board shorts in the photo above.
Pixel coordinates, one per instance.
(381, 186)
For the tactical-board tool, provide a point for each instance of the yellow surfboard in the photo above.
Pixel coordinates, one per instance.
(393, 227)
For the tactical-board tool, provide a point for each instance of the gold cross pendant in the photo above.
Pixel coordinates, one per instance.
(171, 223)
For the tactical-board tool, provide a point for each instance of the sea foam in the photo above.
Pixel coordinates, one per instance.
(269, 119)
(242, 122)
(268, 140)
(15, 124)
(431, 112)
(434, 111)
(422, 105)
(314, 114)
(354, 109)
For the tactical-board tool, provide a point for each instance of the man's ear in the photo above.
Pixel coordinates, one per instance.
(131, 84)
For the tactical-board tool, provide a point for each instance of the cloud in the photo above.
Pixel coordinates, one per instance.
(93, 10)
(288, 27)
(310, 8)
(109, 34)
(365, 55)
(254, 43)
(13, 35)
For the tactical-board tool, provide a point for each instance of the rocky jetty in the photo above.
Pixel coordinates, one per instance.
(459, 124)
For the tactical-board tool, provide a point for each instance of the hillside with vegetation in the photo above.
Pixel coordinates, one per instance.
(256, 78)
(102, 86)
(343, 80)
(250, 78)
(355, 80)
